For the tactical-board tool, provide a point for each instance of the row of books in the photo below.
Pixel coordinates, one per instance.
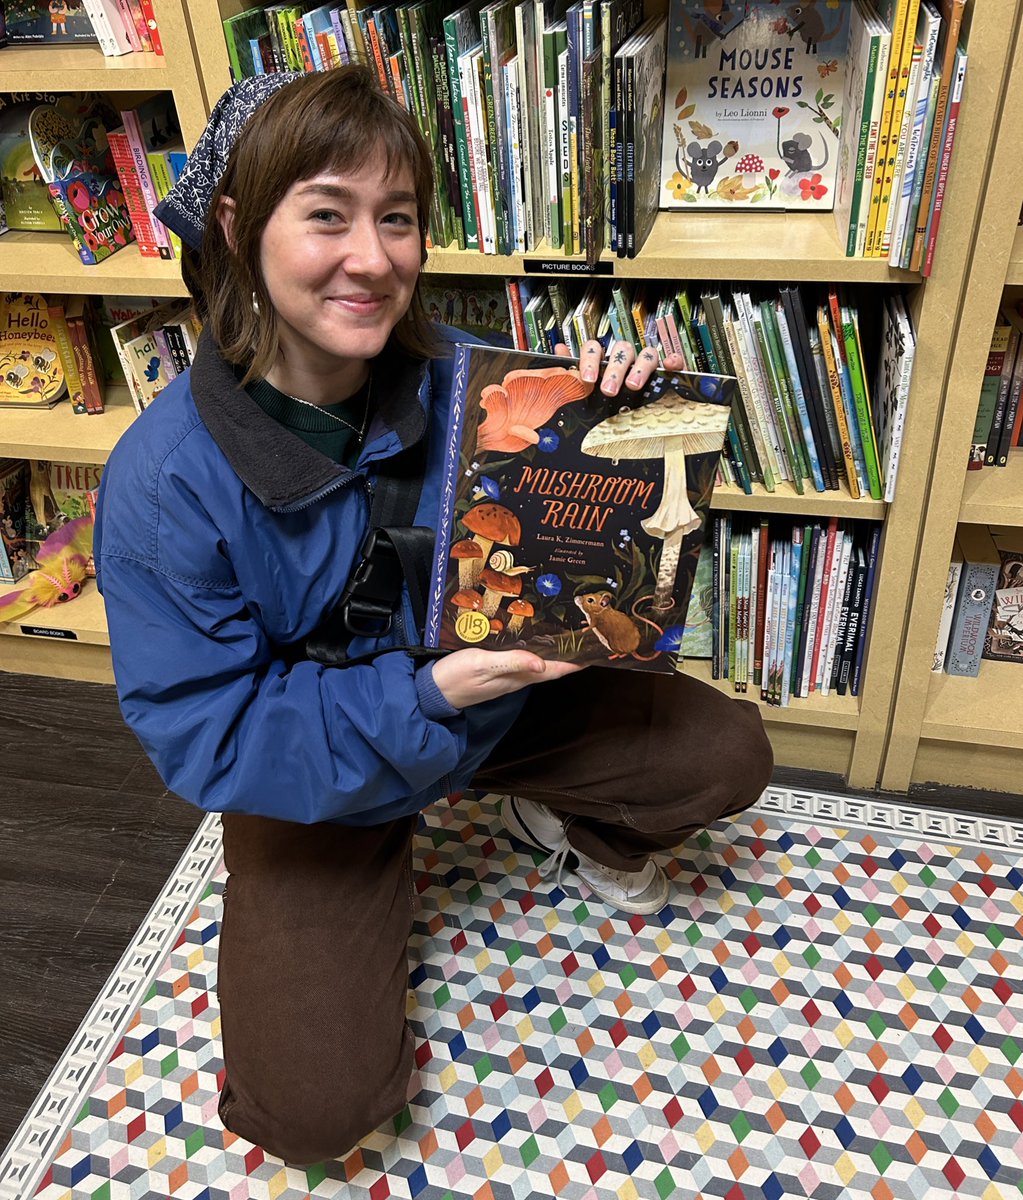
(119, 26)
(75, 162)
(903, 92)
(982, 614)
(569, 125)
(789, 604)
(58, 347)
(999, 425)
(812, 410)
(36, 497)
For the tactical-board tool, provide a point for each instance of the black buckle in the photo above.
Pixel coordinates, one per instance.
(372, 593)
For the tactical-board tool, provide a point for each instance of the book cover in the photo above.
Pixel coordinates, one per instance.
(473, 305)
(1004, 638)
(31, 374)
(59, 492)
(891, 388)
(134, 366)
(78, 316)
(647, 97)
(753, 104)
(974, 600)
(955, 570)
(23, 191)
(571, 523)
(48, 22)
(16, 557)
(697, 636)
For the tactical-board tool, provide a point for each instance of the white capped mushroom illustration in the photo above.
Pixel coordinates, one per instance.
(670, 428)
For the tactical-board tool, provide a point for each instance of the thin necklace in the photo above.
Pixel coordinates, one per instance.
(359, 432)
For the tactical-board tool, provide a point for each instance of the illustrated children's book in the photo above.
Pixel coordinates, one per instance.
(1004, 639)
(31, 374)
(753, 103)
(571, 523)
(53, 22)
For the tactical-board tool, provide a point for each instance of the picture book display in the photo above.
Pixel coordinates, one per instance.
(54, 22)
(1004, 639)
(753, 104)
(31, 373)
(571, 523)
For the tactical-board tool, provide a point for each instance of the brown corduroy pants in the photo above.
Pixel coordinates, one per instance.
(312, 972)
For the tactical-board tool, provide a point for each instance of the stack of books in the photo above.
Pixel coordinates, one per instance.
(999, 425)
(119, 26)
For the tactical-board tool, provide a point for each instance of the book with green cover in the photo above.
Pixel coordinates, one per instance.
(571, 523)
(461, 35)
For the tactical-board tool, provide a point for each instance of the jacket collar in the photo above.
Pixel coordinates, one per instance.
(275, 465)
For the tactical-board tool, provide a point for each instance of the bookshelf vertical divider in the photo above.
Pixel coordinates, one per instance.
(980, 740)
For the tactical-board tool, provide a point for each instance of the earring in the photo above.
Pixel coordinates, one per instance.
(255, 304)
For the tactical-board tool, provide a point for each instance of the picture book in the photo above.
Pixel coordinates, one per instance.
(753, 104)
(1004, 639)
(571, 523)
(31, 375)
(58, 492)
(974, 600)
(15, 553)
(471, 305)
(23, 189)
(56, 22)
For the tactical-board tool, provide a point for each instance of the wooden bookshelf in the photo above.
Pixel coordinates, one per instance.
(902, 715)
(53, 265)
(59, 432)
(952, 729)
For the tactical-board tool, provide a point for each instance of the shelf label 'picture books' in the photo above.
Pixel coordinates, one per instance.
(571, 523)
(753, 104)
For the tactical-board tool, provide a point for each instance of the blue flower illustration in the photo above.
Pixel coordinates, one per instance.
(490, 487)
(549, 441)
(671, 639)
(548, 585)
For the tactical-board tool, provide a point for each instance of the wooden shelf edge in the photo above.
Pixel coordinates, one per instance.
(979, 711)
(1014, 275)
(785, 499)
(994, 495)
(48, 262)
(84, 617)
(826, 712)
(59, 433)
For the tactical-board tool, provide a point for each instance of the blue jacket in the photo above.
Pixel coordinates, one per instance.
(222, 538)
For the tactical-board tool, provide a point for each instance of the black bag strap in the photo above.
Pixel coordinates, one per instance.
(394, 552)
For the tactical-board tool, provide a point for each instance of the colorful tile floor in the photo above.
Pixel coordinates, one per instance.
(831, 1006)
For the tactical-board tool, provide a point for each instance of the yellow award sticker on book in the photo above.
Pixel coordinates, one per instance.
(472, 627)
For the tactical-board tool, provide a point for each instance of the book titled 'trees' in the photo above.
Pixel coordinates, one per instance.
(571, 522)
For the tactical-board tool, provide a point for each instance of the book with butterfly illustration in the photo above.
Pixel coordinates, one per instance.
(571, 523)
(753, 104)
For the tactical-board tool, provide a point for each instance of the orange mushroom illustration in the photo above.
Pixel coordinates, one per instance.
(670, 428)
(524, 402)
(518, 610)
(490, 523)
(469, 556)
(496, 586)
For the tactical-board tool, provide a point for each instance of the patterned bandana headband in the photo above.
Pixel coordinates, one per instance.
(185, 207)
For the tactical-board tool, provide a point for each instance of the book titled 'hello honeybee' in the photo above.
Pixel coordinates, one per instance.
(571, 522)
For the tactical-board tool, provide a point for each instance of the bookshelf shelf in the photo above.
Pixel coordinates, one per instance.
(82, 68)
(994, 495)
(800, 247)
(832, 711)
(84, 617)
(60, 433)
(982, 711)
(785, 499)
(1014, 275)
(48, 262)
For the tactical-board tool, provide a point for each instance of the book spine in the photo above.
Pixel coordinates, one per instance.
(137, 148)
(916, 198)
(905, 132)
(493, 115)
(107, 26)
(149, 16)
(839, 616)
(955, 570)
(953, 16)
(802, 408)
(974, 601)
(66, 354)
(946, 157)
(81, 347)
(470, 223)
(565, 155)
(890, 181)
(340, 38)
(141, 28)
(861, 400)
(1011, 413)
(852, 624)
(860, 656)
(446, 133)
(128, 23)
(835, 388)
(832, 565)
(859, 166)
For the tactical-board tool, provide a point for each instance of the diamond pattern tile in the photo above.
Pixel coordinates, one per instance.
(829, 1006)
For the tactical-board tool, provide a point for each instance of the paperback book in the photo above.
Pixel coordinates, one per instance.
(753, 104)
(571, 523)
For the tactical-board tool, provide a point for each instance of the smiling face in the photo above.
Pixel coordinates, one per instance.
(339, 258)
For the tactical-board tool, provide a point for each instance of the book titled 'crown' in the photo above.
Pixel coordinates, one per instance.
(571, 522)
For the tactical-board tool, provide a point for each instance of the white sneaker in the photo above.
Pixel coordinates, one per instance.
(535, 824)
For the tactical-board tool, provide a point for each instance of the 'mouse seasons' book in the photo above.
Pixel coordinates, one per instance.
(753, 104)
(571, 523)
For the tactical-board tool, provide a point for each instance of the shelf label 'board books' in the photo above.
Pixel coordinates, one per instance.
(753, 104)
(571, 523)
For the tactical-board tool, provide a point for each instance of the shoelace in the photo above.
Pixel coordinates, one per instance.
(561, 853)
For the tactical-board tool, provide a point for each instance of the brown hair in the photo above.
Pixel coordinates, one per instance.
(337, 120)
